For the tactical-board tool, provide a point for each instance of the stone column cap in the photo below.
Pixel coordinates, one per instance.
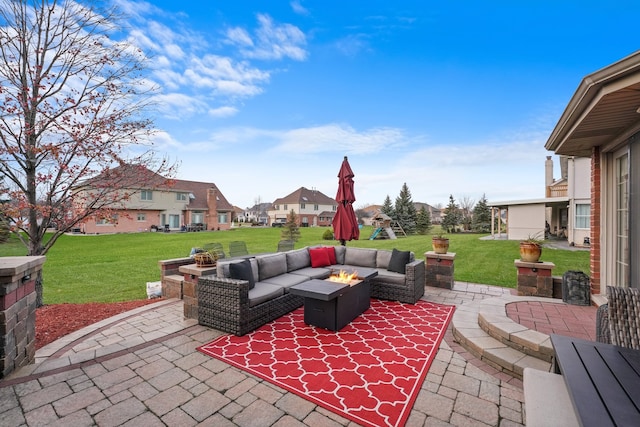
(545, 265)
(432, 254)
(15, 265)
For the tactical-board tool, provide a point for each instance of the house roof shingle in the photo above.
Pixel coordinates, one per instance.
(139, 177)
(199, 191)
(304, 195)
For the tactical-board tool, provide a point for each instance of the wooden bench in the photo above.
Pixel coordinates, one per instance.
(546, 400)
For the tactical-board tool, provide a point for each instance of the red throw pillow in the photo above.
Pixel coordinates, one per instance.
(332, 255)
(319, 257)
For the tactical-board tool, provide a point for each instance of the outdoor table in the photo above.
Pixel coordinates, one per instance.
(603, 380)
(333, 305)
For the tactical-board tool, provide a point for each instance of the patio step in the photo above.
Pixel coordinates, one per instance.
(172, 286)
(484, 330)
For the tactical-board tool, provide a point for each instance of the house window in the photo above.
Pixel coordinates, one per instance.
(286, 207)
(142, 217)
(622, 220)
(108, 221)
(174, 221)
(303, 206)
(181, 197)
(222, 218)
(315, 207)
(583, 215)
(197, 217)
(146, 195)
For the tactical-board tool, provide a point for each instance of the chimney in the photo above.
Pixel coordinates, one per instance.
(564, 167)
(548, 172)
(212, 208)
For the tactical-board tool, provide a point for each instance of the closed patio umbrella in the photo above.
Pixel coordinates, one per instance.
(345, 223)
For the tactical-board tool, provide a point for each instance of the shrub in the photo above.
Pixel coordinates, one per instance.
(327, 235)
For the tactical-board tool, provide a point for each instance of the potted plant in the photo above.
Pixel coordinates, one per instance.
(531, 249)
(440, 243)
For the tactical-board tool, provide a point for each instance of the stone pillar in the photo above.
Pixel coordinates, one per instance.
(18, 311)
(439, 269)
(534, 278)
(170, 276)
(191, 274)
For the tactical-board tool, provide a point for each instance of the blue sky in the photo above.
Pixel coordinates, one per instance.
(451, 97)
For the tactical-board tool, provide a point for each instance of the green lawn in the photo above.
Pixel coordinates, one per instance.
(110, 268)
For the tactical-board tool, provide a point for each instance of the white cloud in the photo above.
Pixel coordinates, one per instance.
(298, 8)
(178, 105)
(272, 41)
(163, 140)
(353, 44)
(506, 168)
(184, 62)
(239, 36)
(339, 137)
(223, 112)
(139, 38)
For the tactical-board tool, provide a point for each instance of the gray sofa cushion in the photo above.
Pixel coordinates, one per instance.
(263, 292)
(297, 259)
(254, 268)
(382, 258)
(340, 250)
(360, 256)
(389, 277)
(313, 273)
(271, 265)
(286, 280)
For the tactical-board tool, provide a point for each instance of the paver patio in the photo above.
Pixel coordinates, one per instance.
(142, 368)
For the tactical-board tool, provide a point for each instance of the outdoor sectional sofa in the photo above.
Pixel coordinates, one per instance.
(233, 305)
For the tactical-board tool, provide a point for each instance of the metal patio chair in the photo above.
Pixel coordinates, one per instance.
(215, 248)
(238, 248)
(285, 245)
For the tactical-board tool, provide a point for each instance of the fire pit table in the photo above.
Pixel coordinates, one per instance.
(333, 305)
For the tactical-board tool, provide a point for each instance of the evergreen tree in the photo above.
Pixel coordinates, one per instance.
(423, 221)
(405, 210)
(481, 222)
(387, 207)
(452, 216)
(290, 230)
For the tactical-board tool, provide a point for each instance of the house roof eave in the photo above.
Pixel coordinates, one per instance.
(603, 109)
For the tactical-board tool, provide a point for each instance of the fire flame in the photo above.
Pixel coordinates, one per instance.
(343, 277)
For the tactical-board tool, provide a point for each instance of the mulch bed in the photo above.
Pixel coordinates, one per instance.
(57, 320)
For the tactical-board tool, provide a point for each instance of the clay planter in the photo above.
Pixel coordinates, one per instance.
(440, 245)
(204, 259)
(530, 252)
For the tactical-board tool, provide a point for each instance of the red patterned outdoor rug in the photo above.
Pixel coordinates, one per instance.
(370, 371)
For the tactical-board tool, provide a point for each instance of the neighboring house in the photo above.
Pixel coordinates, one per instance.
(257, 214)
(434, 213)
(563, 213)
(311, 207)
(173, 204)
(602, 122)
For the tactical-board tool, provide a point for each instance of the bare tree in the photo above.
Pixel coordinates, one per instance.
(466, 211)
(72, 108)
